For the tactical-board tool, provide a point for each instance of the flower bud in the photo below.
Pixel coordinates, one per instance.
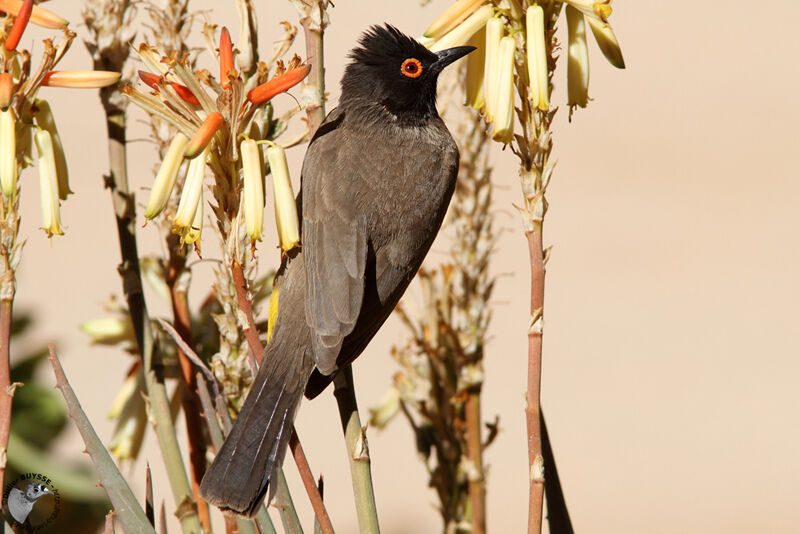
(6, 89)
(48, 184)
(204, 134)
(39, 15)
(167, 174)
(285, 205)
(182, 91)
(80, 79)
(452, 17)
(577, 60)
(44, 119)
(494, 32)
(464, 31)
(20, 23)
(225, 57)
(607, 42)
(8, 153)
(537, 58)
(277, 85)
(503, 126)
(253, 194)
(192, 193)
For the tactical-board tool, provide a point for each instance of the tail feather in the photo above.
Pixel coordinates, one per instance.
(239, 478)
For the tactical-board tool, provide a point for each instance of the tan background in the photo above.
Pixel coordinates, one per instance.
(671, 346)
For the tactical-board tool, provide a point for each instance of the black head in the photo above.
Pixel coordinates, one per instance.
(395, 71)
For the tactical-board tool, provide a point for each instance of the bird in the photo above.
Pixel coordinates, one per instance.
(20, 503)
(376, 181)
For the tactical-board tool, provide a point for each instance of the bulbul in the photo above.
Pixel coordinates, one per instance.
(376, 181)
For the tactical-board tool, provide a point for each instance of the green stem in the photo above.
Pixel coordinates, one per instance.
(125, 213)
(357, 452)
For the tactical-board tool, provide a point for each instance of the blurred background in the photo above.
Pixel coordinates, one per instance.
(671, 349)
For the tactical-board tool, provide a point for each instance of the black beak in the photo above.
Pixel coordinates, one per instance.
(445, 57)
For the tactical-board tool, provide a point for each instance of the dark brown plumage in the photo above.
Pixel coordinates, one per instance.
(376, 182)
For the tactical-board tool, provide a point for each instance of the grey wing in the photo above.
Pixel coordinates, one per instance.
(334, 246)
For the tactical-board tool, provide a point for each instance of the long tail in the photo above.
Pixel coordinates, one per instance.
(240, 476)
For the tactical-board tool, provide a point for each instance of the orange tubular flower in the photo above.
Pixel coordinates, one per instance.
(21, 22)
(225, 57)
(39, 15)
(6, 89)
(265, 91)
(80, 79)
(204, 134)
(184, 92)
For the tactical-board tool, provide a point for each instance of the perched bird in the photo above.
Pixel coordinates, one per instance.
(376, 181)
(20, 503)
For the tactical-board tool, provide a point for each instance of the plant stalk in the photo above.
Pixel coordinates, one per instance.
(125, 214)
(357, 452)
(6, 390)
(532, 400)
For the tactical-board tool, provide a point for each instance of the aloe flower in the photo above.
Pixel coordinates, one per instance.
(285, 206)
(48, 184)
(537, 58)
(577, 60)
(167, 174)
(253, 194)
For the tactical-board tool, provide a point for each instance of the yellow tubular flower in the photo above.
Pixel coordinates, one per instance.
(503, 127)
(607, 42)
(475, 66)
(577, 60)
(44, 118)
(48, 184)
(192, 193)
(253, 194)
(285, 206)
(8, 153)
(167, 174)
(596, 9)
(451, 17)
(494, 32)
(537, 57)
(191, 234)
(462, 33)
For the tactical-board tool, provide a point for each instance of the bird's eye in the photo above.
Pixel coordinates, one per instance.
(411, 68)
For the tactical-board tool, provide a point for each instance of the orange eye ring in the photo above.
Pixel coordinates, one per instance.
(411, 68)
